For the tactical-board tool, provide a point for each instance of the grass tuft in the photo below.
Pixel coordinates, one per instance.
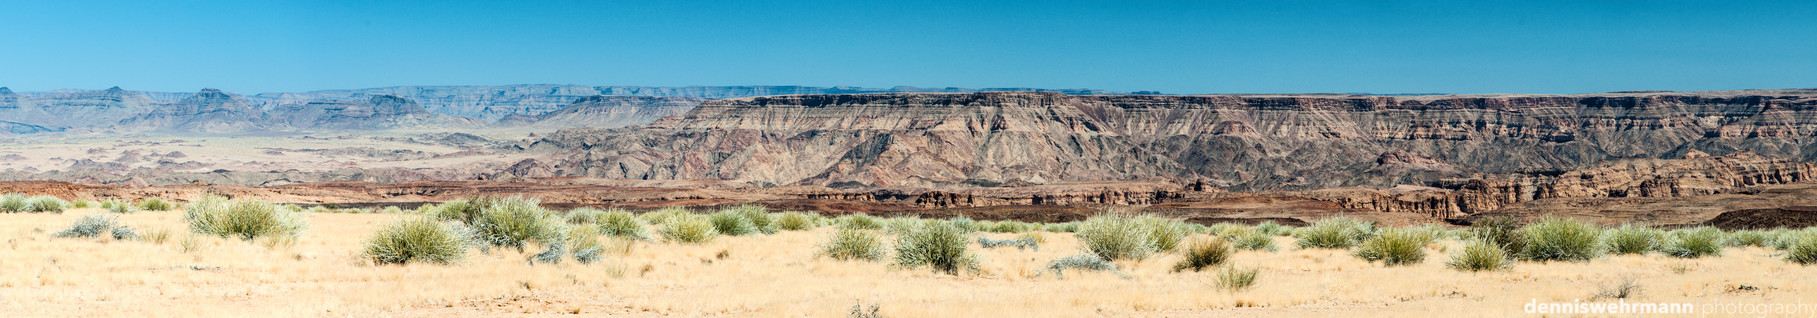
(1633, 239)
(1801, 247)
(795, 221)
(941, 246)
(155, 204)
(89, 226)
(853, 244)
(245, 219)
(1480, 255)
(1561, 239)
(1694, 242)
(417, 239)
(688, 228)
(1116, 237)
(731, 222)
(1202, 252)
(1084, 262)
(1396, 246)
(1338, 232)
(516, 221)
(1232, 278)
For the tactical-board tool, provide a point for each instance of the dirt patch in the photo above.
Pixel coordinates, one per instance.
(1750, 219)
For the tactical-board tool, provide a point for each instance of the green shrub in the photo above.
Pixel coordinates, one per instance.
(1166, 233)
(1694, 242)
(1756, 238)
(1633, 239)
(13, 203)
(1479, 255)
(1010, 227)
(584, 242)
(853, 244)
(621, 223)
(964, 223)
(859, 221)
(1561, 239)
(899, 225)
(1783, 239)
(1394, 247)
(515, 221)
(1801, 247)
(1502, 231)
(1337, 232)
(117, 206)
(795, 221)
(688, 228)
(1234, 278)
(243, 218)
(1202, 252)
(417, 239)
(1067, 227)
(44, 204)
(457, 210)
(1084, 262)
(1254, 240)
(92, 225)
(155, 204)
(732, 223)
(1116, 237)
(1272, 229)
(759, 217)
(81, 204)
(663, 215)
(941, 246)
(584, 215)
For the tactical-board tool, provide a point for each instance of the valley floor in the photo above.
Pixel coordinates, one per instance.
(321, 274)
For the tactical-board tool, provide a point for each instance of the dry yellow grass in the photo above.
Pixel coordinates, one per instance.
(320, 274)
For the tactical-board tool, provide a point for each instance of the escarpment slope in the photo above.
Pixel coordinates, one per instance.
(1236, 142)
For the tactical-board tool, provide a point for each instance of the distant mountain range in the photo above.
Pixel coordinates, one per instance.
(554, 106)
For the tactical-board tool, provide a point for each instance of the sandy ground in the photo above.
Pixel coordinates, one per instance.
(320, 274)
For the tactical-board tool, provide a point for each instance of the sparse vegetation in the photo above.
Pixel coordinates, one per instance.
(1201, 252)
(417, 239)
(853, 244)
(1801, 247)
(13, 203)
(1085, 262)
(89, 226)
(1337, 232)
(1396, 246)
(1480, 255)
(688, 228)
(1019, 243)
(663, 215)
(732, 222)
(1755, 238)
(514, 222)
(940, 246)
(859, 221)
(117, 206)
(1502, 231)
(1561, 239)
(1165, 234)
(794, 221)
(1233, 278)
(242, 218)
(759, 217)
(155, 204)
(1633, 239)
(621, 223)
(1693, 242)
(1271, 228)
(45, 204)
(1116, 237)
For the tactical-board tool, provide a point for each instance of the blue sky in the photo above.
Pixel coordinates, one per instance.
(1173, 47)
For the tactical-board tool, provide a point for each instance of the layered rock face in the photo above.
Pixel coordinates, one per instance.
(607, 112)
(59, 110)
(210, 110)
(379, 112)
(1244, 143)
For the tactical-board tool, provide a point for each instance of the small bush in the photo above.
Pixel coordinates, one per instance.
(688, 228)
(584, 242)
(794, 221)
(859, 221)
(457, 210)
(940, 246)
(89, 226)
(964, 223)
(81, 204)
(1019, 243)
(124, 233)
(1166, 234)
(1633, 239)
(584, 216)
(13, 203)
(1067, 227)
(1254, 240)
(732, 223)
(1801, 247)
(1010, 227)
(1234, 278)
(417, 239)
(663, 215)
(1116, 237)
(245, 219)
(117, 206)
(1479, 255)
(516, 221)
(1561, 239)
(1503, 231)
(759, 217)
(1272, 229)
(621, 223)
(1084, 262)
(1756, 238)
(1337, 232)
(1202, 252)
(1394, 247)
(853, 244)
(45, 204)
(1694, 243)
(899, 225)
(155, 204)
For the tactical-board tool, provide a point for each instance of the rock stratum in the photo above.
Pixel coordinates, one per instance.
(1241, 143)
